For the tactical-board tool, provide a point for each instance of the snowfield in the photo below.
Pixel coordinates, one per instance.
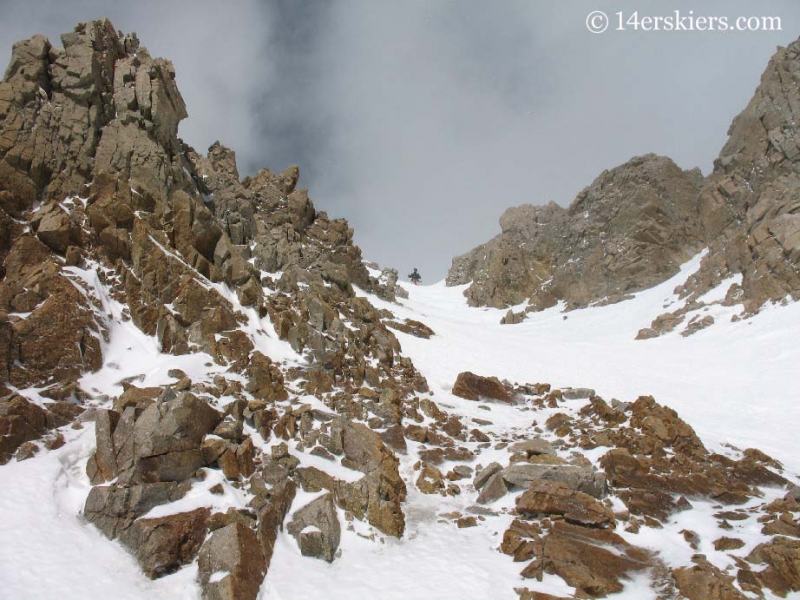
(736, 383)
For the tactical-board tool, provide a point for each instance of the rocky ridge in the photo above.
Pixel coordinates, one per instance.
(109, 218)
(305, 411)
(635, 224)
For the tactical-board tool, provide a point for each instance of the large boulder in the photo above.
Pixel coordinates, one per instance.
(378, 495)
(231, 564)
(316, 528)
(474, 387)
(578, 478)
(591, 560)
(556, 498)
(114, 508)
(165, 544)
(164, 444)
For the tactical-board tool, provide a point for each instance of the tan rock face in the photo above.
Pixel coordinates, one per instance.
(59, 338)
(20, 422)
(631, 228)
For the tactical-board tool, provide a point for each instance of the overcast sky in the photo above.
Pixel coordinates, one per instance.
(421, 121)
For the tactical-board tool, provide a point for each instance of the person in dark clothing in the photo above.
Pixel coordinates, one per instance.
(415, 277)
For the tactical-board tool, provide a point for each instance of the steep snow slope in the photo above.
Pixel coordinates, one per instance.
(735, 383)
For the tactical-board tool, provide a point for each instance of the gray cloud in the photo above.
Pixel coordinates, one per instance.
(421, 121)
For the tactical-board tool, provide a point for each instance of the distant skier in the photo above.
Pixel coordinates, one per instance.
(415, 277)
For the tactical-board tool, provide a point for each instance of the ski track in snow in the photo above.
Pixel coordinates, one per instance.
(735, 383)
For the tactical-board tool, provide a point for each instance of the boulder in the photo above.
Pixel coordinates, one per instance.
(494, 489)
(474, 387)
(166, 438)
(578, 478)
(577, 393)
(430, 480)
(781, 555)
(231, 565)
(114, 508)
(412, 327)
(165, 544)
(485, 473)
(556, 498)
(591, 560)
(533, 447)
(704, 581)
(316, 528)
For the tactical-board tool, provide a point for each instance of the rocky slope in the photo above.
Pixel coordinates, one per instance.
(634, 225)
(109, 218)
(300, 415)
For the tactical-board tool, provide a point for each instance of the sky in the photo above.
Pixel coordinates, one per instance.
(421, 121)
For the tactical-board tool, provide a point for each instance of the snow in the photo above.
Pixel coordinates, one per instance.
(128, 353)
(49, 551)
(718, 293)
(434, 562)
(217, 576)
(734, 382)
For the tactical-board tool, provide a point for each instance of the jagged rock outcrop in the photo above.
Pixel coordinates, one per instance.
(22, 421)
(749, 205)
(656, 466)
(100, 103)
(107, 217)
(637, 223)
(633, 227)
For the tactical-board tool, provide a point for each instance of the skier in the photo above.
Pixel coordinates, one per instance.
(415, 277)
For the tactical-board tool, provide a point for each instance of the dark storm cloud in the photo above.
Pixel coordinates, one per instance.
(421, 121)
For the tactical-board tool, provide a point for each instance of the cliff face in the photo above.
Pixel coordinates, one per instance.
(631, 228)
(636, 223)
